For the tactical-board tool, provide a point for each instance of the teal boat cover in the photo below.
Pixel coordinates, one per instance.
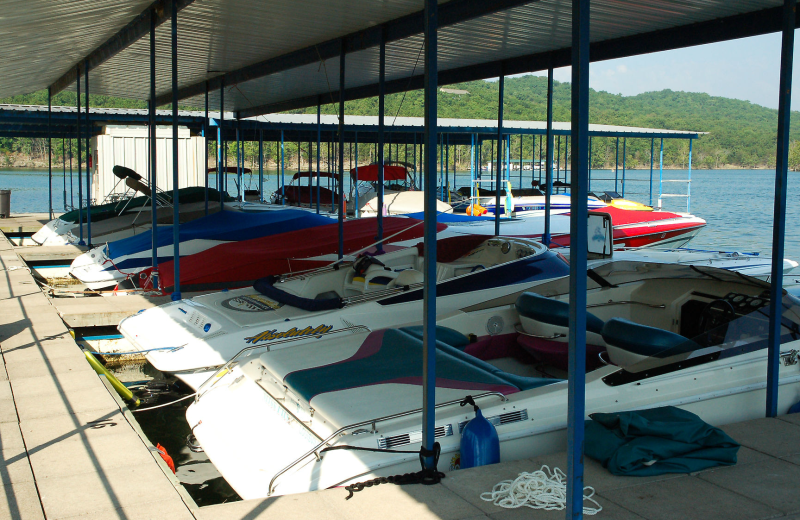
(657, 441)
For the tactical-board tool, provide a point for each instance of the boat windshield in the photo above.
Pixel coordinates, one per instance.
(728, 332)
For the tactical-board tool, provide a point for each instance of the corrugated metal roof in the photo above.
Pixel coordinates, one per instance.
(44, 39)
(35, 114)
(264, 30)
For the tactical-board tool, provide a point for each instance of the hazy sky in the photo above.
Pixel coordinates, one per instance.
(743, 69)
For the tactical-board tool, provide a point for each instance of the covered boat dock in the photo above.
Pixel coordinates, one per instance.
(205, 53)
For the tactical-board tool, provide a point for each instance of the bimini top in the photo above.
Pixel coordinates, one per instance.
(369, 173)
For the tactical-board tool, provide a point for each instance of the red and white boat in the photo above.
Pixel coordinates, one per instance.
(238, 264)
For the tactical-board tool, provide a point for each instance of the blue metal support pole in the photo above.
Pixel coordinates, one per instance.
(414, 159)
(508, 159)
(205, 153)
(616, 166)
(239, 177)
(689, 181)
(319, 143)
(660, 173)
(80, 161)
(624, 155)
(540, 160)
(548, 180)
(472, 168)
(779, 211)
(381, 129)
(260, 165)
(64, 169)
(579, 212)
(520, 162)
(89, 164)
(283, 170)
(222, 155)
(219, 159)
(341, 150)
(499, 157)
(153, 156)
(354, 186)
(652, 149)
(429, 288)
(441, 164)
(589, 179)
(49, 152)
(176, 223)
(71, 182)
(558, 159)
(446, 185)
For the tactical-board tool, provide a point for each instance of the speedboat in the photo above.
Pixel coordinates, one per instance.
(120, 215)
(612, 198)
(529, 200)
(400, 193)
(346, 408)
(239, 264)
(107, 265)
(751, 264)
(308, 195)
(190, 338)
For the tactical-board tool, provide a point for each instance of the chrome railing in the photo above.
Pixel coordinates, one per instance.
(227, 366)
(372, 423)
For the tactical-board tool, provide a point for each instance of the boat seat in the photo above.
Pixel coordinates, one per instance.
(444, 335)
(521, 382)
(548, 319)
(553, 312)
(630, 343)
(393, 356)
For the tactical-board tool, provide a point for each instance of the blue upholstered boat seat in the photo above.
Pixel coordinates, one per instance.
(630, 343)
(453, 342)
(393, 356)
(445, 335)
(522, 382)
(552, 312)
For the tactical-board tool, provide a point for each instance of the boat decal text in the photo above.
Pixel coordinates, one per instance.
(251, 303)
(294, 332)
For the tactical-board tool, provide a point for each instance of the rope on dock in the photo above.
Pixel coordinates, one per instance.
(542, 489)
(165, 404)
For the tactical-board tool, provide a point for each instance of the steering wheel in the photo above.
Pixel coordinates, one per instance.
(713, 316)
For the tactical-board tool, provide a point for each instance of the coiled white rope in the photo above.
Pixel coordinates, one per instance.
(542, 489)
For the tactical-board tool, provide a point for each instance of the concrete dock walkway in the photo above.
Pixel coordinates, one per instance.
(70, 448)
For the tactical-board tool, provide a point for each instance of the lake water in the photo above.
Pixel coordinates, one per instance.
(737, 204)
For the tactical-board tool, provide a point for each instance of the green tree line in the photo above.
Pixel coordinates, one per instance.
(738, 133)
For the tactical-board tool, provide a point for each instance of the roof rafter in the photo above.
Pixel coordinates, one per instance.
(136, 29)
(450, 13)
(730, 28)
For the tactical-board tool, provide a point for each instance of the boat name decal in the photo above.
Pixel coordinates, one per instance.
(294, 332)
(251, 303)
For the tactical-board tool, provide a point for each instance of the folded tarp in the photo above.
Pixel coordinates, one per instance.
(657, 441)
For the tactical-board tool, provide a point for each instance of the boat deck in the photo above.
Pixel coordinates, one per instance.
(71, 448)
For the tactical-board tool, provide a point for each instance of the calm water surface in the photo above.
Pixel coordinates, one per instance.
(737, 204)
